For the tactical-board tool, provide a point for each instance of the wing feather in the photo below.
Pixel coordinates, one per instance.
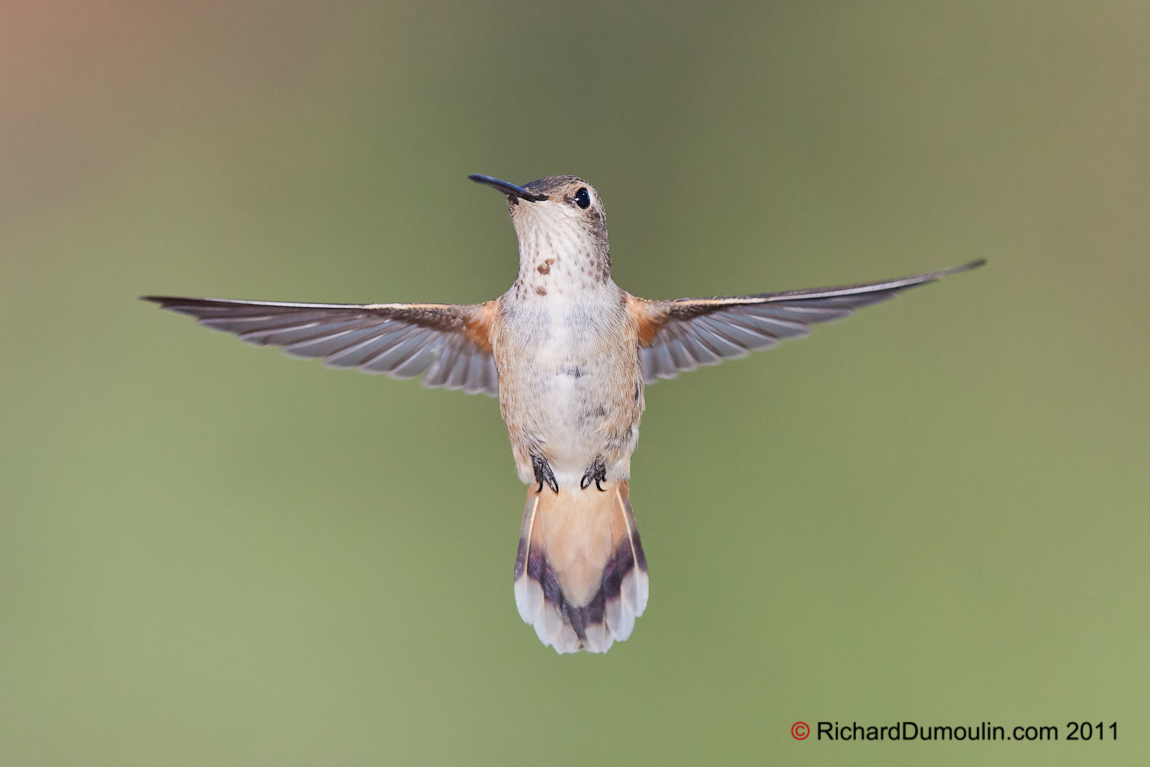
(679, 336)
(448, 343)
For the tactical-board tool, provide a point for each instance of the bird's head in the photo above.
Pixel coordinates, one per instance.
(556, 217)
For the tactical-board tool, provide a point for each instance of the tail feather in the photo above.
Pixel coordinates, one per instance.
(580, 574)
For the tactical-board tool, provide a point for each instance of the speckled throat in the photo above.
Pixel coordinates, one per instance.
(563, 248)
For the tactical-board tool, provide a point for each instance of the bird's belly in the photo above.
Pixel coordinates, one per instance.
(569, 392)
(571, 400)
(574, 414)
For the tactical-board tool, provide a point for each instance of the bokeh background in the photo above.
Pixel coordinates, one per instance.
(934, 511)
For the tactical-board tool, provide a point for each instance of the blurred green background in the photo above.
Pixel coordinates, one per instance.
(934, 511)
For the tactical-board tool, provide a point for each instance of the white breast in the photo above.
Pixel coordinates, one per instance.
(566, 350)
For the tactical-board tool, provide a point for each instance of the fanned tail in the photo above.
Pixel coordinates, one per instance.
(580, 576)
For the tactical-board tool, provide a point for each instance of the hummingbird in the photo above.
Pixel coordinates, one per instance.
(567, 352)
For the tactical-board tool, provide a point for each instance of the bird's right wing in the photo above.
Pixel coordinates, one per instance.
(677, 336)
(449, 341)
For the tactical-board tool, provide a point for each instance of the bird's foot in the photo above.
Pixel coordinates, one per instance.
(543, 474)
(596, 472)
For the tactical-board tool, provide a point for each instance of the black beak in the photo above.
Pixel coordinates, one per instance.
(509, 189)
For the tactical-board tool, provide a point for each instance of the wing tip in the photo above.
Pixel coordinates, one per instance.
(906, 283)
(930, 277)
(180, 303)
(967, 267)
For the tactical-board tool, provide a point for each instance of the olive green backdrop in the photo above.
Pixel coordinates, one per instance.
(211, 554)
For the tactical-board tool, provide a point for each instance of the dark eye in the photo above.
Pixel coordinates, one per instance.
(582, 198)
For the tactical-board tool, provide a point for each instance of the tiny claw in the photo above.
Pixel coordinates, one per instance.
(597, 473)
(543, 474)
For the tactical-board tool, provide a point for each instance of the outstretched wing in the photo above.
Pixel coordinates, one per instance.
(449, 343)
(677, 336)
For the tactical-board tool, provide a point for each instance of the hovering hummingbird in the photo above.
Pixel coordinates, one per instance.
(567, 352)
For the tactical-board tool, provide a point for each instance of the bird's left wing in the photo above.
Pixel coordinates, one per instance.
(677, 336)
(450, 343)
